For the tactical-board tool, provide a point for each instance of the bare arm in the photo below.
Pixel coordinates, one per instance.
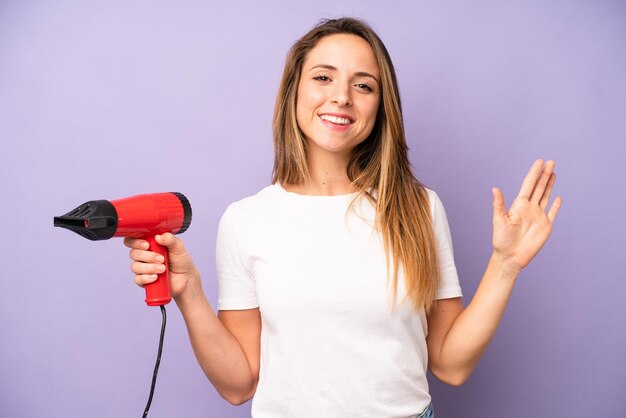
(458, 337)
(226, 347)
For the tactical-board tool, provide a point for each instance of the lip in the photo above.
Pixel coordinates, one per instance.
(337, 115)
(335, 127)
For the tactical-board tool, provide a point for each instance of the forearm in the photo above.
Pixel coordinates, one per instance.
(459, 337)
(474, 328)
(218, 352)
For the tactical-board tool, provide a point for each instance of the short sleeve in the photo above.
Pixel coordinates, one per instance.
(237, 287)
(449, 286)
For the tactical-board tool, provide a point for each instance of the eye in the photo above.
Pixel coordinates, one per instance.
(365, 87)
(321, 78)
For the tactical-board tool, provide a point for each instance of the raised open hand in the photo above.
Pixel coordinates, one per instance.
(519, 234)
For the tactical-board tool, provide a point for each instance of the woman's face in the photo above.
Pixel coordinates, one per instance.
(338, 94)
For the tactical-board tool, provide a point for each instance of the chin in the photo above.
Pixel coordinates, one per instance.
(332, 147)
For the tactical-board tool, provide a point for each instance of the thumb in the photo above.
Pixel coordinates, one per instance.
(174, 245)
(499, 210)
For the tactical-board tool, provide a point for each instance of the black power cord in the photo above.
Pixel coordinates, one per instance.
(158, 362)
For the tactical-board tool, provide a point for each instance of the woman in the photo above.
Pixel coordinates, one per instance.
(337, 282)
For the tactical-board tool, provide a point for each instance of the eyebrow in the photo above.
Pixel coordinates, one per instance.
(332, 68)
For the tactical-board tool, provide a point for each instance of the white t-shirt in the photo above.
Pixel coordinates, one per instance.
(331, 346)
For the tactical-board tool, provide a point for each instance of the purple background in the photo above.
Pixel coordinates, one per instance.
(102, 100)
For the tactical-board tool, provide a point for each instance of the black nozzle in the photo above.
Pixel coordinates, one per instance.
(95, 220)
(187, 211)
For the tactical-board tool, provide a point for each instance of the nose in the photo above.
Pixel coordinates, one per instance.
(341, 95)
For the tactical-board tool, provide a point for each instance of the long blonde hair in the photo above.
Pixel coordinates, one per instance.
(380, 162)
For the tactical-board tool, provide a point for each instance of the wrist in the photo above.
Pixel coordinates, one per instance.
(191, 292)
(505, 265)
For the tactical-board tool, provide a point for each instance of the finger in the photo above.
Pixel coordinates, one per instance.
(542, 181)
(528, 185)
(146, 268)
(499, 208)
(554, 209)
(136, 243)
(543, 203)
(146, 256)
(174, 245)
(144, 279)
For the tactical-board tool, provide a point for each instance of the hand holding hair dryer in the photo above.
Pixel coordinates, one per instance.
(141, 216)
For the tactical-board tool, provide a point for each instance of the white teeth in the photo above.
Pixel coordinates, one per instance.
(335, 119)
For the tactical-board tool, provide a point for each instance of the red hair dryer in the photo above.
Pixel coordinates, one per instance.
(141, 216)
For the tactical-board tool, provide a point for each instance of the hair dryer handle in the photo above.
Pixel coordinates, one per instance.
(158, 293)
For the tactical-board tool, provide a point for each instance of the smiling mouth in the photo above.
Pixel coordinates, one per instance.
(336, 119)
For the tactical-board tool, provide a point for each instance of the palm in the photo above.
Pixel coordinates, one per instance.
(520, 232)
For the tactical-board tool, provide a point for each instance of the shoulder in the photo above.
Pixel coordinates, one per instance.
(246, 214)
(438, 217)
(435, 203)
(265, 199)
(253, 211)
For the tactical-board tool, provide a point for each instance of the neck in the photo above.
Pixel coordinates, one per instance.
(328, 176)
